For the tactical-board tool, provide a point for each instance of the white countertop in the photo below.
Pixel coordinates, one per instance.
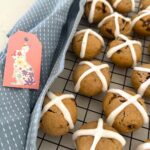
(10, 12)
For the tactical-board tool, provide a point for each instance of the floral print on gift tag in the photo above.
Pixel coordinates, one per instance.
(23, 72)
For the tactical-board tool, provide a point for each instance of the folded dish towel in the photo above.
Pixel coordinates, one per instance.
(54, 22)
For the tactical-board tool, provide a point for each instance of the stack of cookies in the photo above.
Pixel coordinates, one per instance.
(125, 110)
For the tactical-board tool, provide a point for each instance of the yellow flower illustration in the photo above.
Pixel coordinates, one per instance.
(20, 62)
(25, 65)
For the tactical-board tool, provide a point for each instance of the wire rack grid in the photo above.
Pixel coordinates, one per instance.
(90, 108)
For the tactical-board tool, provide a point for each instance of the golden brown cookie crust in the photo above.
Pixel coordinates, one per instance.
(94, 46)
(123, 57)
(108, 28)
(124, 122)
(144, 4)
(101, 11)
(142, 27)
(125, 6)
(138, 77)
(85, 142)
(53, 122)
(91, 84)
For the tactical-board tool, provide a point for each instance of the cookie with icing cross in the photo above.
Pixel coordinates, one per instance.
(125, 110)
(124, 52)
(140, 79)
(96, 10)
(123, 6)
(87, 44)
(144, 4)
(91, 77)
(59, 114)
(144, 146)
(141, 22)
(114, 25)
(97, 135)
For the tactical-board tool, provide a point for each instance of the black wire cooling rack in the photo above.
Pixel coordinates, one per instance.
(90, 108)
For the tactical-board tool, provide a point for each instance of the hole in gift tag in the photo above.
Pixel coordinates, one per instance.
(26, 39)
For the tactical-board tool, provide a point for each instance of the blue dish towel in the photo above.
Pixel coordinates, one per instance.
(54, 22)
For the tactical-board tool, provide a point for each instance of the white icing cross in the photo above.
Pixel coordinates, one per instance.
(116, 16)
(144, 85)
(141, 14)
(129, 43)
(130, 99)
(93, 6)
(99, 133)
(85, 40)
(57, 100)
(93, 68)
(117, 2)
(145, 146)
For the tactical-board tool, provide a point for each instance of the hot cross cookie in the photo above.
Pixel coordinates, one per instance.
(141, 22)
(123, 6)
(114, 25)
(96, 10)
(59, 114)
(124, 52)
(87, 44)
(140, 78)
(97, 135)
(125, 110)
(91, 77)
